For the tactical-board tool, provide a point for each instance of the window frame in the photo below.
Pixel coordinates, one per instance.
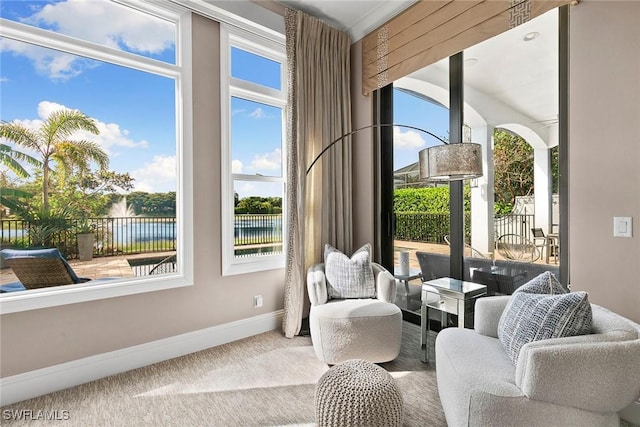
(181, 73)
(271, 48)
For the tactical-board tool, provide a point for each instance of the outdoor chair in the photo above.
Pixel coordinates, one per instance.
(517, 248)
(167, 265)
(38, 268)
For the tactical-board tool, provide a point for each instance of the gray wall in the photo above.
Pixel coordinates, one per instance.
(605, 181)
(604, 152)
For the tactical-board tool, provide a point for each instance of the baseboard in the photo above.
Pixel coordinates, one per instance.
(631, 413)
(58, 377)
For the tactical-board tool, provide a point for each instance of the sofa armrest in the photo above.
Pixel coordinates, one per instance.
(385, 283)
(317, 284)
(589, 372)
(487, 313)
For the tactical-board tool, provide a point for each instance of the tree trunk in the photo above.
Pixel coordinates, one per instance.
(45, 186)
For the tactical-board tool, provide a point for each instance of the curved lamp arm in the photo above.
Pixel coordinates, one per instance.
(378, 125)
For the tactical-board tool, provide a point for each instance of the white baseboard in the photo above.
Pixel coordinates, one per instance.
(58, 377)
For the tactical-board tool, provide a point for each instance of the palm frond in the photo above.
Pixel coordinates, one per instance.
(20, 135)
(11, 159)
(62, 124)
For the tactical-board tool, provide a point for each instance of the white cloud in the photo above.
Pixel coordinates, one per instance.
(409, 139)
(268, 161)
(102, 22)
(236, 166)
(3, 80)
(54, 64)
(111, 135)
(258, 113)
(157, 176)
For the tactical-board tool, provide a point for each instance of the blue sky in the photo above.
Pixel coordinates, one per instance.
(413, 111)
(135, 110)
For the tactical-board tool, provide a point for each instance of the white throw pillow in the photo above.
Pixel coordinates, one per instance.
(349, 277)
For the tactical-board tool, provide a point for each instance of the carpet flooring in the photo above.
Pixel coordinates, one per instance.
(265, 380)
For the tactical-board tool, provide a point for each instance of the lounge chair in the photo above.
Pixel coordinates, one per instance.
(38, 268)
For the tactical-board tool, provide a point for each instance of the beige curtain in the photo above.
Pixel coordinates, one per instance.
(318, 112)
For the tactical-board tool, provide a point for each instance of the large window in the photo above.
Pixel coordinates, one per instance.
(253, 166)
(125, 69)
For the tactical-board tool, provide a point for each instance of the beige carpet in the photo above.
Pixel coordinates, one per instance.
(266, 380)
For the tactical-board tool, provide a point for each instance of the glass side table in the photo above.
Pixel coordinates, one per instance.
(451, 296)
(414, 273)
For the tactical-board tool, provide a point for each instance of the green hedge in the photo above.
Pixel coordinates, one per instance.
(427, 227)
(427, 199)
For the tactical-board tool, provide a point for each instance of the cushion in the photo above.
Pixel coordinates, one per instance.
(42, 253)
(544, 283)
(349, 277)
(533, 317)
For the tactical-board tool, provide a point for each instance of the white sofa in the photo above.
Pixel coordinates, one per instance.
(574, 381)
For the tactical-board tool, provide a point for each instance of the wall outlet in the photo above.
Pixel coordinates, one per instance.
(257, 301)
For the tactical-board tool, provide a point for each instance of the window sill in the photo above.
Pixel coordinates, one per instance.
(63, 295)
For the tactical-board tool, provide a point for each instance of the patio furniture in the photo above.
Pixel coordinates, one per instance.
(516, 247)
(579, 380)
(434, 266)
(546, 243)
(167, 265)
(474, 252)
(358, 393)
(354, 328)
(38, 268)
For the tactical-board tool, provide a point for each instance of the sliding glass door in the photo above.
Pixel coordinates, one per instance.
(507, 95)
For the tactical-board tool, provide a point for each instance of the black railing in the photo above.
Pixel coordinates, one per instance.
(257, 229)
(518, 224)
(132, 235)
(113, 236)
(253, 232)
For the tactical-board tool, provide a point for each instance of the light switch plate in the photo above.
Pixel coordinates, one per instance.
(622, 226)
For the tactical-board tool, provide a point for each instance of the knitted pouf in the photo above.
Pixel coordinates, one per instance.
(358, 393)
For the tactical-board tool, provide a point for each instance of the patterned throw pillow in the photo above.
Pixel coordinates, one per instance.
(349, 277)
(533, 317)
(544, 283)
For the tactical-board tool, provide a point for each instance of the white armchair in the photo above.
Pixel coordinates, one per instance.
(582, 380)
(356, 328)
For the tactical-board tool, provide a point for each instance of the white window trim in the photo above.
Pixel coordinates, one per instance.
(271, 48)
(181, 72)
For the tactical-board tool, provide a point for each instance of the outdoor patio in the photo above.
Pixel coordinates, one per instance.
(118, 266)
(97, 268)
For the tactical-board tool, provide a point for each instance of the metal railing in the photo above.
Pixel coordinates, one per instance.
(518, 224)
(132, 235)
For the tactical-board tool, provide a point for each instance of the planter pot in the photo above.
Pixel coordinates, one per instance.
(85, 246)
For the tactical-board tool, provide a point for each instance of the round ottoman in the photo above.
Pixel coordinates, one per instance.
(358, 393)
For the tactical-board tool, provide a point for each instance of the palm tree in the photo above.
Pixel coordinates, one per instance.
(11, 159)
(52, 141)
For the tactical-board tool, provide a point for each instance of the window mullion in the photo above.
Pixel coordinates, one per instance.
(61, 42)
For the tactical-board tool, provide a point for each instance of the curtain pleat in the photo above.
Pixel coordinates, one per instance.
(319, 205)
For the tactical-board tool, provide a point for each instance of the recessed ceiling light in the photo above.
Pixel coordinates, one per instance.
(469, 62)
(530, 36)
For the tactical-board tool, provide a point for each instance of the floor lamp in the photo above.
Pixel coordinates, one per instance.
(447, 162)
